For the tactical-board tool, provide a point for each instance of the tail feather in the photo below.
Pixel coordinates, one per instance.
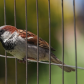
(54, 59)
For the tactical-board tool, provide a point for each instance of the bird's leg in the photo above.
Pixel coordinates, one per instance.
(29, 58)
(22, 61)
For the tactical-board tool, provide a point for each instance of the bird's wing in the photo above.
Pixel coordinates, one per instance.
(32, 39)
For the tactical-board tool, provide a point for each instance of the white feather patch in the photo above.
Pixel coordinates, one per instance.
(29, 37)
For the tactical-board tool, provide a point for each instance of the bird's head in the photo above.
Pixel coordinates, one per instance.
(6, 31)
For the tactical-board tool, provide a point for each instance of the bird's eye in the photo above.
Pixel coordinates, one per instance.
(1, 32)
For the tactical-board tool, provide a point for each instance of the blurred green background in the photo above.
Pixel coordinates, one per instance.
(56, 39)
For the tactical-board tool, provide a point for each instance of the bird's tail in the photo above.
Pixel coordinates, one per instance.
(54, 59)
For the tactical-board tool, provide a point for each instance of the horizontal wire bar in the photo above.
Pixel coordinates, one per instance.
(7, 56)
(45, 62)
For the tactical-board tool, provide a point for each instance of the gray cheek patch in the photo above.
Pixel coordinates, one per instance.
(5, 36)
(9, 40)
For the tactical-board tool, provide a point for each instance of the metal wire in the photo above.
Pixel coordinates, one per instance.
(75, 38)
(62, 43)
(38, 45)
(15, 26)
(5, 51)
(26, 42)
(11, 57)
(37, 42)
(49, 42)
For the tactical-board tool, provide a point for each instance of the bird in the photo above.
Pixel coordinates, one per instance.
(14, 42)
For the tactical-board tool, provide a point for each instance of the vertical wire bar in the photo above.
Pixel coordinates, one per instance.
(5, 51)
(37, 42)
(49, 43)
(15, 26)
(62, 43)
(75, 38)
(26, 42)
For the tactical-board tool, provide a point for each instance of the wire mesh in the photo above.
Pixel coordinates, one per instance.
(49, 63)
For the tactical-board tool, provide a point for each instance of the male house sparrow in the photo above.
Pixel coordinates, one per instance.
(13, 40)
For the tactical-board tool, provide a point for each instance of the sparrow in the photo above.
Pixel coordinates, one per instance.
(14, 42)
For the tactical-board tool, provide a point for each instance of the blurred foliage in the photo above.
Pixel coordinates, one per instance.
(56, 77)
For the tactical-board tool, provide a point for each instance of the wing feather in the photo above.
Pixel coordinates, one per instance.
(32, 39)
